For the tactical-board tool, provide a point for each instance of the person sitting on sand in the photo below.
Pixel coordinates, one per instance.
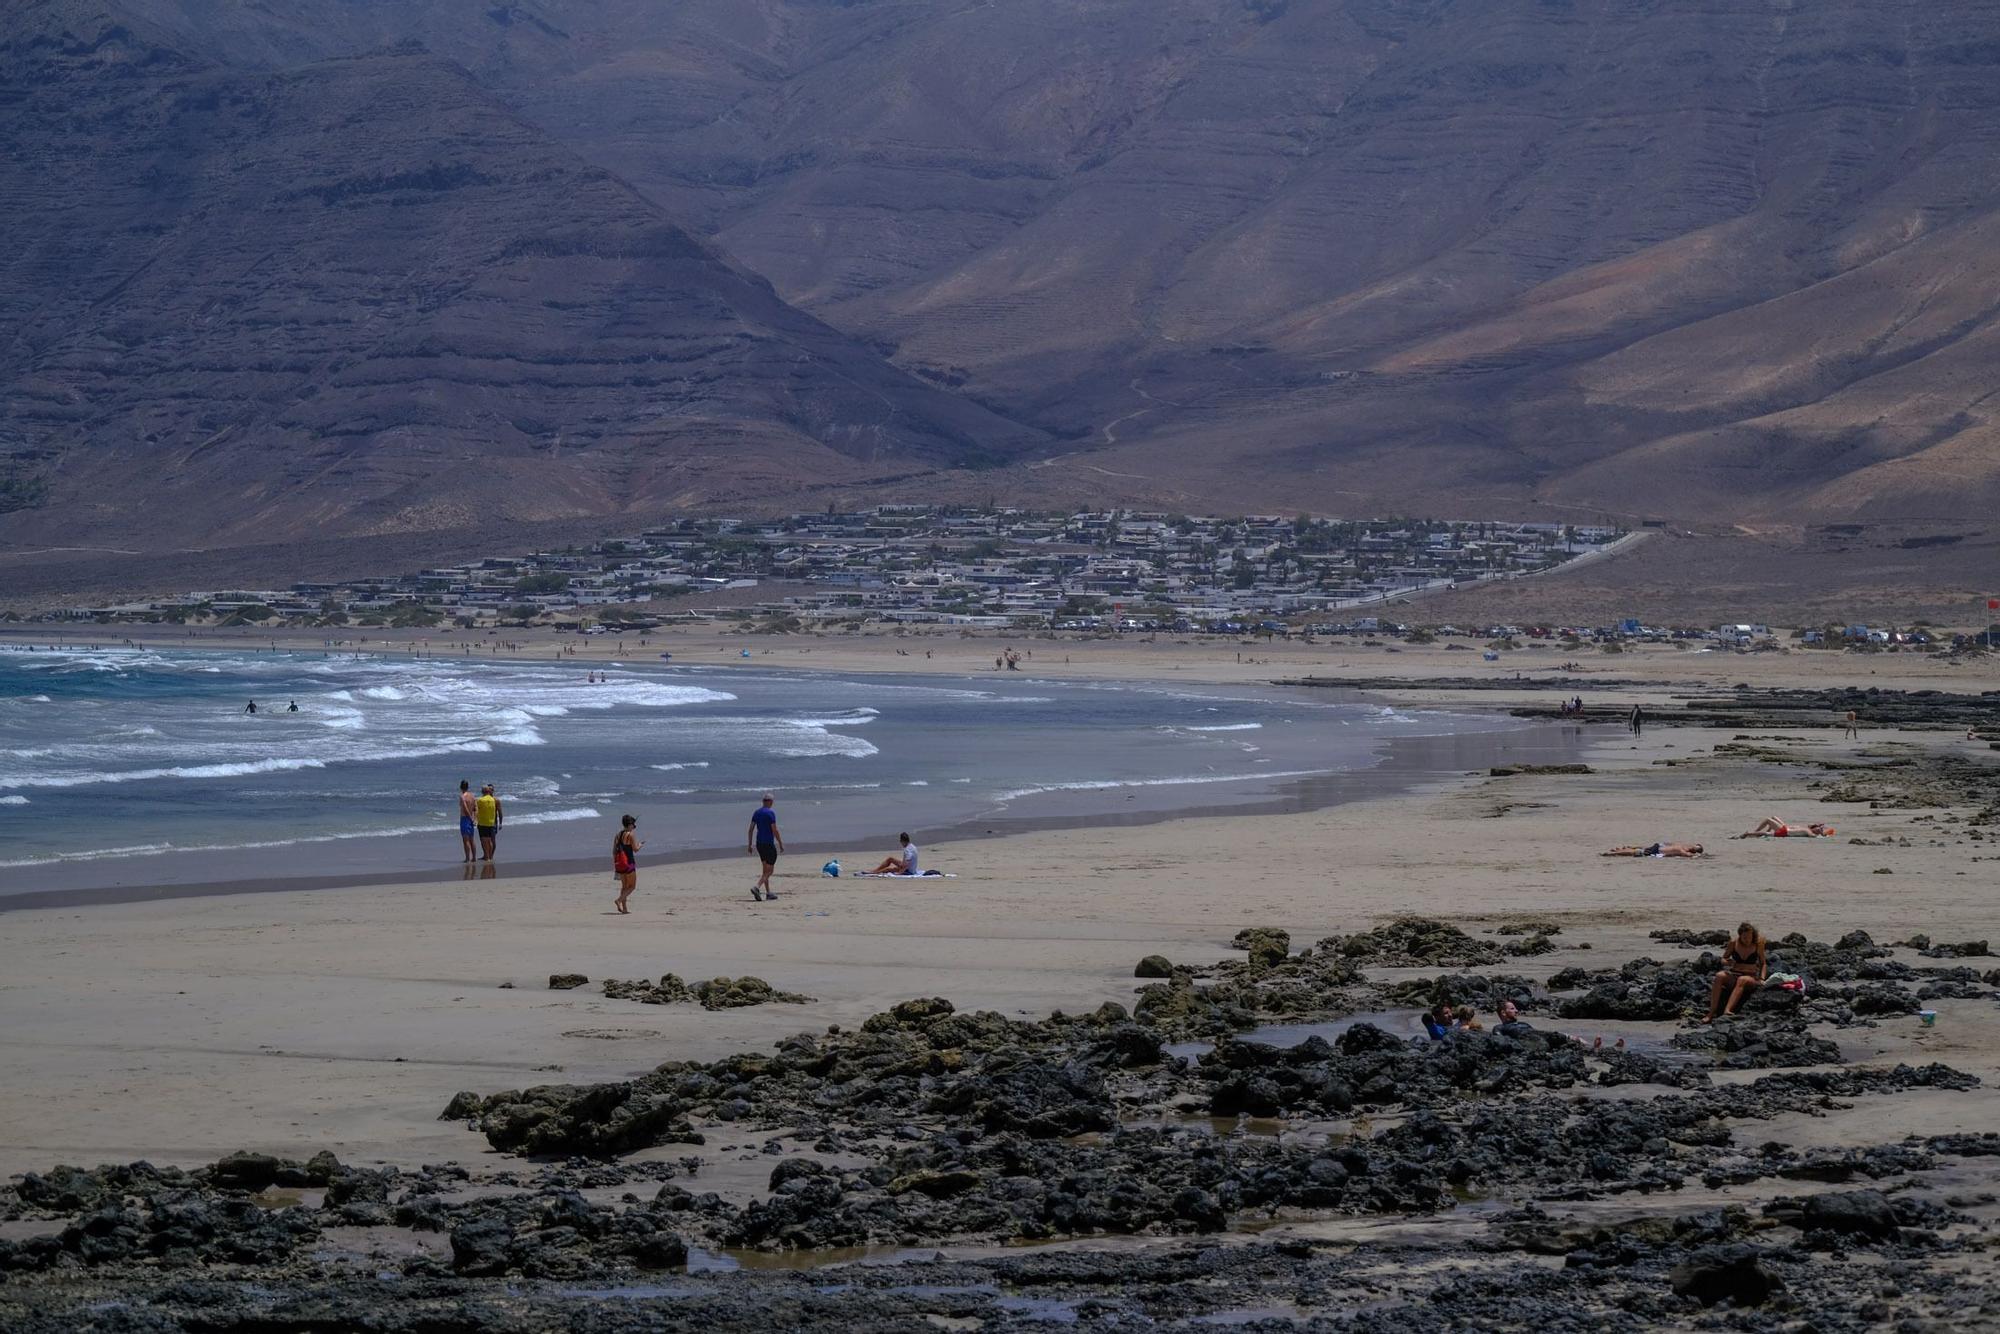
(1658, 850)
(1772, 827)
(1746, 962)
(903, 863)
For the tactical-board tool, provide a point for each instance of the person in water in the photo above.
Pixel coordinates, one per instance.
(251, 707)
(1772, 827)
(488, 815)
(1746, 962)
(1438, 1020)
(765, 840)
(294, 708)
(1511, 1024)
(467, 826)
(625, 860)
(903, 863)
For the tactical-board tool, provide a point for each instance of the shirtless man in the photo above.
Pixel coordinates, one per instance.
(467, 808)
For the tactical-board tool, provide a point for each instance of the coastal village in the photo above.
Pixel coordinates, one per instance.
(989, 567)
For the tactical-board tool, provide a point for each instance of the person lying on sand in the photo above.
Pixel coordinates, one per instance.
(1746, 963)
(1772, 827)
(1658, 850)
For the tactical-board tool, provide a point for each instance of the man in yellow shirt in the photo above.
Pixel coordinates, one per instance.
(487, 812)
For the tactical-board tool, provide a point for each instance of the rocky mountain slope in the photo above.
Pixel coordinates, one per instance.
(1705, 262)
(359, 295)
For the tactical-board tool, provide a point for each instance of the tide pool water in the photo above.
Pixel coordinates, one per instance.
(141, 767)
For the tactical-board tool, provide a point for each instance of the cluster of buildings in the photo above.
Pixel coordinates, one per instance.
(927, 564)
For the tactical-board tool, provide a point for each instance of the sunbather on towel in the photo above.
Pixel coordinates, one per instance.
(1772, 827)
(1659, 850)
(903, 863)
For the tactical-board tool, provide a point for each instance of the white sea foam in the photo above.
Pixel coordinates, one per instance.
(536, 788)
(236, 769)
(689, 764)
(16, 800)
(155, 849)
(1100, 785)
(1228, 727)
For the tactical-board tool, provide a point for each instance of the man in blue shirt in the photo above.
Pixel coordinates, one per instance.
(767, 843)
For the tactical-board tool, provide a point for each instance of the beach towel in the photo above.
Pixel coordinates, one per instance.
(903, 875)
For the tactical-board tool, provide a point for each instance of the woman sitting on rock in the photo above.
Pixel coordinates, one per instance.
(1746, 962)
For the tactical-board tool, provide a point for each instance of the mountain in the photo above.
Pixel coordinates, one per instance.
(360, 296)
(1725, 265)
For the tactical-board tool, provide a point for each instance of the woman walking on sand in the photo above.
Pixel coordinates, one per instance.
(625, 860)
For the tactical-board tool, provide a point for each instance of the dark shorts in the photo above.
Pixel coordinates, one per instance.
(488, 830)
(465, 825)
(769, 852)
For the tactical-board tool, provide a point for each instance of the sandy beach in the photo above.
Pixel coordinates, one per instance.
(345, 1019)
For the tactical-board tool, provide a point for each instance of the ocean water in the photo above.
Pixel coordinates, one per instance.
(140, 767)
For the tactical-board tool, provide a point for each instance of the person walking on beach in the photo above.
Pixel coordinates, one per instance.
(488, 815)
(625, 860)
(467, 826)
(1852, 733)
(1638, 720)
(767, 843)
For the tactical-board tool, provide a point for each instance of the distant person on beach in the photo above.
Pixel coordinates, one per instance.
(1772, 827)
(467, 826)
(1658, 850)
(1637, 720)
(625, 860)
(1746, 962)
(1852, 732)
(902, 863)
(767, 843)
(489, 817)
